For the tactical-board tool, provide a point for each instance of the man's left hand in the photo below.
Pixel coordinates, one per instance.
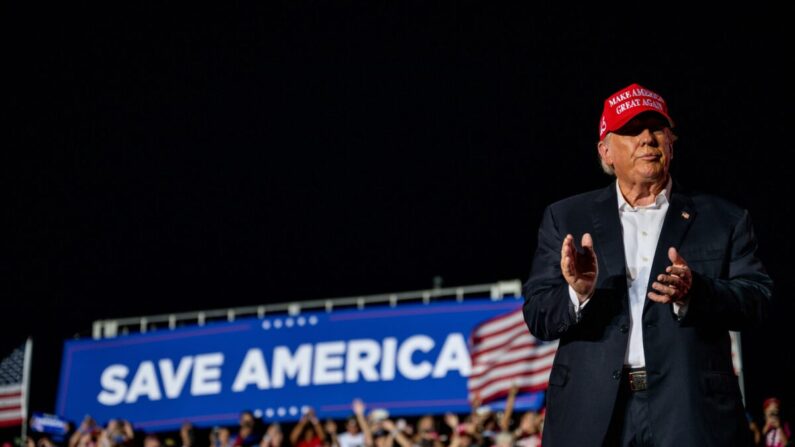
(673, 285)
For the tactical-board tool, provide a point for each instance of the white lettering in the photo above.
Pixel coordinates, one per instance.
(454, 356)
(388, 359)
(325, 363)
(652, 103)
(410, 370)
(252, 371)
(144, 384)
(288, 366)
(113, 385)
(328, 363)
(362, 356)
(174, 382)
(627, 105)
(618, 98)
(206, 374)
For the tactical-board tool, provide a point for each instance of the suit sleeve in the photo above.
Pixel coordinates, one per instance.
(740, 300)
(548, 310)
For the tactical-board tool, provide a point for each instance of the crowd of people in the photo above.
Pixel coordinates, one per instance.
(374, 428)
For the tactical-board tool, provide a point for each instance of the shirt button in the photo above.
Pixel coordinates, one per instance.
(645, 259)
(644, 233)
(616, 375)
(624, 328)
(562, 327)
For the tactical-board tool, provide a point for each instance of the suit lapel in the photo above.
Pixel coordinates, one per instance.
(680, 215)
(608, 239)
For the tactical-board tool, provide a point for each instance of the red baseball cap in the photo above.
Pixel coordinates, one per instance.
(627, 103)
(770, 401)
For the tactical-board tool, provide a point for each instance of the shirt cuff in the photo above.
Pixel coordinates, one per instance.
(680, 311)
(576, 301)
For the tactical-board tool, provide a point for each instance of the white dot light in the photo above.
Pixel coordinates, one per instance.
(301, 321)
(281, 411)
(288, 322)
(257, 413)
(313, 320)
(269, 412)
(266, 324)
(277, 324)
(293, 411)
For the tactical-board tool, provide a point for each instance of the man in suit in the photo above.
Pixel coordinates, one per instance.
(644, 308)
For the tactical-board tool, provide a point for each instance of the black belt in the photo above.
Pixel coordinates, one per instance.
(636, 378)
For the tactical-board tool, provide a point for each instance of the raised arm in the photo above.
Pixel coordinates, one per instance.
(296, 432)
(358, 410)
(316, 424)
(505, 422)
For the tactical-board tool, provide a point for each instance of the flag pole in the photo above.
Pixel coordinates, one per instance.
(26, 387)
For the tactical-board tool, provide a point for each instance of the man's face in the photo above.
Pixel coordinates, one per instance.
(246, 420)
(771, 412)
(641, 151)
(381, 441)
(425, 424)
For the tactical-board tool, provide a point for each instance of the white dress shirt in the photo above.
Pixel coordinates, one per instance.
(641, 228)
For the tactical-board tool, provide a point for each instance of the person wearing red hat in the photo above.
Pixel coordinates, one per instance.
(776, 433)
(644, 306)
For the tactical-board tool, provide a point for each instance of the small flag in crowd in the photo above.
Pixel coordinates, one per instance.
(13, 380)
(504, 353)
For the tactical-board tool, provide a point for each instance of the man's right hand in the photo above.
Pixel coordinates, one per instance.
(579, 269)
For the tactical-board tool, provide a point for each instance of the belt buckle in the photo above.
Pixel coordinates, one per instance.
(637, 380)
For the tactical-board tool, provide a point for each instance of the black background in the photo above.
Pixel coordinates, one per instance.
(166, 158)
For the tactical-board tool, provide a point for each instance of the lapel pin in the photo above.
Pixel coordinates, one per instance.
(685, 214)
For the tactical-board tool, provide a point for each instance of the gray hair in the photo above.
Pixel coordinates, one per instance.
(605, 167)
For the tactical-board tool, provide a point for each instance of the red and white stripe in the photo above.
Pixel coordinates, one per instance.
(505, 353)
(11, 404)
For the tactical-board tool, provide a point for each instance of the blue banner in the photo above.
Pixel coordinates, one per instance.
(409, 360)
(49, 424)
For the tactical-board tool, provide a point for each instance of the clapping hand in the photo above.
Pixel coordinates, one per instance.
(675, 283)
(579, 269)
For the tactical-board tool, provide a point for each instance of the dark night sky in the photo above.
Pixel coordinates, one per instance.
(166, 158)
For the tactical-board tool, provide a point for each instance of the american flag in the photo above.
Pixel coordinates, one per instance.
(504, 353)
(12, 387)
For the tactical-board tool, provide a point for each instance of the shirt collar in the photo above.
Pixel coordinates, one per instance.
(662, 198)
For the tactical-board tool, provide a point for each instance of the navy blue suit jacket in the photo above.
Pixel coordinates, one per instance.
(694, 394)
